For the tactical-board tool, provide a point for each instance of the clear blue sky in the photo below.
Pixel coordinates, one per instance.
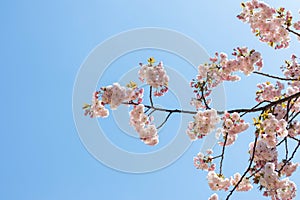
(43, 44)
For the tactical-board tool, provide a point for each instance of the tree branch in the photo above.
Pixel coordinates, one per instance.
(247, 170)
(292, 156)
(292, 31)
(275, 77)
(165, 120)
(150, 96)
(223, 153)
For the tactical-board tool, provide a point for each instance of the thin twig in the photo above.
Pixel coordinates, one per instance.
(288, 160)
(286, 148)
(247, 170)
(150, 96)
(294, 117)
(256, 171)
(223, 153)
(165, 120)
(275, 77)
(292, 31)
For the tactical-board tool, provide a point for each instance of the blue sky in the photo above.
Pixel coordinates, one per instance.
(43, 45)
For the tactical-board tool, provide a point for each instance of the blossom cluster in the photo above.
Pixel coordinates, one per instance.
(291, 71)
(263, 153)
(204, 162)
(269, 24)
(232, 126)
(217, 181)
(294, 128)
(96, 109)
(114, 95)
(275, 187)
(204, 123)
(142, 124)
(269, 92)
(245, 184)
(221, 69)
(155, 76)
(287, 168)
(271, 128)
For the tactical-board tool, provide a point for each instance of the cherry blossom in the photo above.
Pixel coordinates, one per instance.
(232, 126)
(96, 109)
(214, 197)
(245, 185)
(263, 153)
(269, 92)
(217, 181)
(114, 95)
(154, 75)
(204, 122)
(204, 162)
(142, 124)
(267, 23)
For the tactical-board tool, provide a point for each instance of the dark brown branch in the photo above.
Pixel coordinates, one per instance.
(217, 157)
(223, 153)
(286, 148)
(247, 170)
(150, 96)
(292, 31)
(292, 156)
(204, 100)
(275, 77)
(256, 171)
(294, 117)
(268, 105)
(256, 106)
(165, 120)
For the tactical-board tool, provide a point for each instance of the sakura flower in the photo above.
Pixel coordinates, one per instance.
(155, 76)
(217, 181)
(204, 123)
(141, 123)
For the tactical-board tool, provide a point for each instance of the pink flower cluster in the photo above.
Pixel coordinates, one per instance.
(269, 92)
(271, 128)
(204, 162)
(263, 153)
(291, 71)
(155, 76)
(297, 25)
(267, 23)
(217, 181)
(142, 124)
(204, 123)
(288, 169)
(214, 197)
(96, 109)
(232, 125)
(244, 186)
(221, 69)
(114, 95)
(294, 128)
(274, 187)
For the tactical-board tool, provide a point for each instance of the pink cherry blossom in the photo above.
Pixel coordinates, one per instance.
(267, 23)
(232, 126)
(142, 124)
(204, 123)
(204, 162)
(213, 197)
(245, 185)
(217, 181)
(96, 109)
(155, 76)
